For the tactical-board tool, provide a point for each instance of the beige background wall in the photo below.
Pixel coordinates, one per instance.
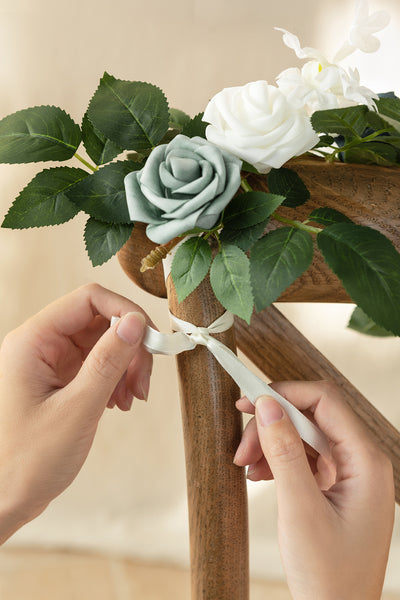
(130, 496)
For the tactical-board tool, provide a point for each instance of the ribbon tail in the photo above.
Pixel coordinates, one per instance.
(253, 387)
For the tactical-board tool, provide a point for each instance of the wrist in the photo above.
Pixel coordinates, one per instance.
(13, 516)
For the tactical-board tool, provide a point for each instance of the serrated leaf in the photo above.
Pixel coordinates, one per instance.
(368, 265)
(276, 261)
(372, 153)
(328, 216)
(360, 322)
(177, 118)
(243, 238)
(195, 127)
(190, 265)
(230, 280)
(99, 148)
(44, 200)
(289, 184)
(38, 134)
(102, 194)
(133, 114)
(349, 121)
(103, 240)
(250, 208)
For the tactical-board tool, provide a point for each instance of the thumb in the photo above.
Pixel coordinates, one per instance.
(109, 359)
(285, 454)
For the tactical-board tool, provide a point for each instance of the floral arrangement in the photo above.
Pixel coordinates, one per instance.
(186, 178)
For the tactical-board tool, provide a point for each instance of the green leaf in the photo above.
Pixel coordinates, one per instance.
(375, 121)
(177, 118)
(368, 265)
(230, 280)
(102, 194)
(243, 238)
(132, 114)
(248, 168)
(289, 184)
(190, 265)
(341, 121)
(324, 141)
(250, 208)
(103, 240)
(44, 200)
(372, 153)
(99, 148)
(360, 322)
(390, 109)
(276, 261)
(195, 127)
(38, 134)
(327, 216)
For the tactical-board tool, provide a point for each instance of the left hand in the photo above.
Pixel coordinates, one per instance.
(58, 372)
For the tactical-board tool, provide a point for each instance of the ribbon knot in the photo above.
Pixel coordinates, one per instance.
(200, 336)
(189, 336)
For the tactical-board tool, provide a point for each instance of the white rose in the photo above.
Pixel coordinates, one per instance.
(258, 124)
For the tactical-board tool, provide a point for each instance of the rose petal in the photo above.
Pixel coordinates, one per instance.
(138, 206)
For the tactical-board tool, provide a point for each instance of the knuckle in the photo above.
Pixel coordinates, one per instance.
(286, 448)
(90, 288)
(101, 365)
(328, 387)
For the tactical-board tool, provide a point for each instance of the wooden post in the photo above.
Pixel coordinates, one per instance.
(212, 428)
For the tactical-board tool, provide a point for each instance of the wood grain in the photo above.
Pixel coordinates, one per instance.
(130, 256)
(212, 427)
(212, 430)
(369, 195)
(280, 351)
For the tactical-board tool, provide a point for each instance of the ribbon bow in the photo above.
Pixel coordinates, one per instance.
(189, 336)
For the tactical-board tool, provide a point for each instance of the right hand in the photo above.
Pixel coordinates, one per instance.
(335, 524)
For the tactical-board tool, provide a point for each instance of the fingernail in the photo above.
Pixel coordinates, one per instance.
(239, 452)
(130, 328)
(268, 411)
(251, 469)
(127, 404)
(144, 387)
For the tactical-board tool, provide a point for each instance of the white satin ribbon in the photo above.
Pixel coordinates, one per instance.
(189, 336)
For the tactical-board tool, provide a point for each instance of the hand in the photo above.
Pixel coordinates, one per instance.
(58, 372)
(335, 517)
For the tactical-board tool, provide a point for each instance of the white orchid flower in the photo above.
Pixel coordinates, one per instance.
(323, 84)
(361, 35)
(292, 41)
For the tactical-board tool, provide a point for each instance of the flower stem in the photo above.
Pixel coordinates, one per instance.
(158, 254)
(358, 141)
(85, 162)
(246, 187)
(297, 224)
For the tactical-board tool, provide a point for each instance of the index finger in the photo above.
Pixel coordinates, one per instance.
(76, 310)
(330, 412)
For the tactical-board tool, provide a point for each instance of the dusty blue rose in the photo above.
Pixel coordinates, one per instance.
(184, 184)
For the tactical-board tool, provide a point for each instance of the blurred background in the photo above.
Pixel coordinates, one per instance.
(129, 501)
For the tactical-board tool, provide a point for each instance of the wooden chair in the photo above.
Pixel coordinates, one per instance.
(212, 426)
